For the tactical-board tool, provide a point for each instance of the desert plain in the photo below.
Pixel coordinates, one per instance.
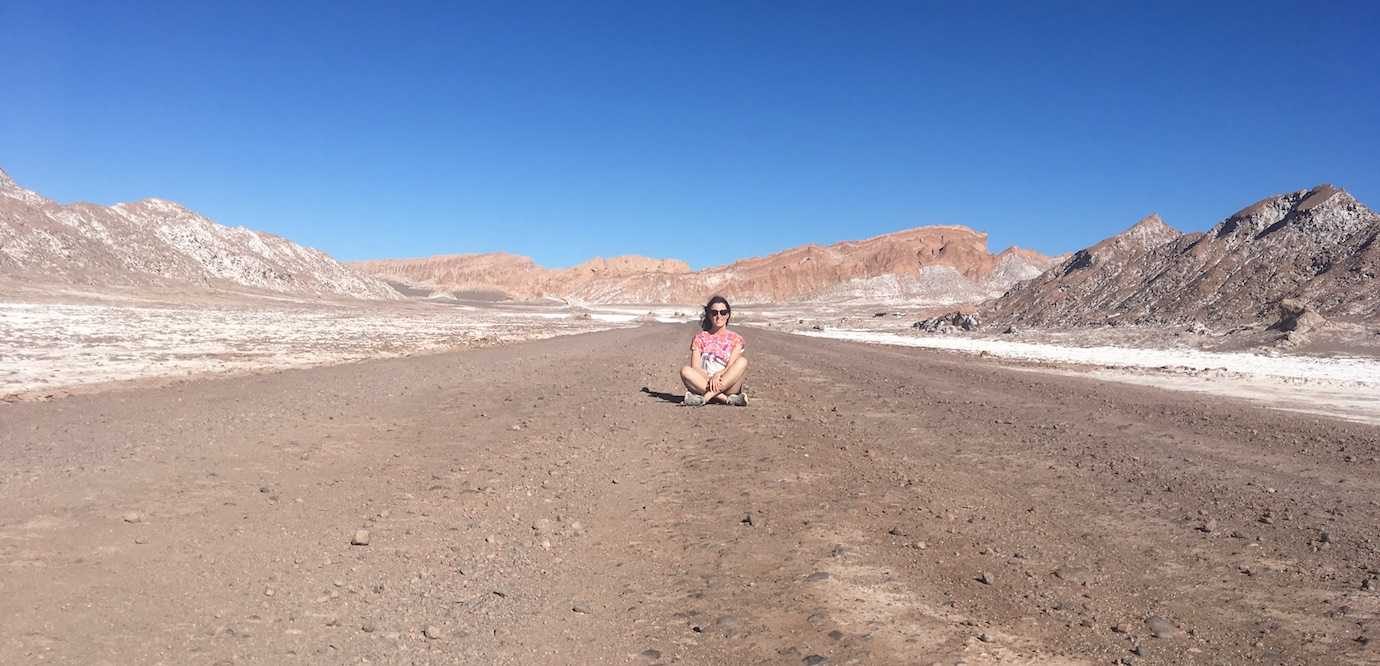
(423, 492)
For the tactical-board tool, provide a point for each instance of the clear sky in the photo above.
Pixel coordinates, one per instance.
(702, 131)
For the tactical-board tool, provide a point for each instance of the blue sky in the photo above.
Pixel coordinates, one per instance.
(702, 131)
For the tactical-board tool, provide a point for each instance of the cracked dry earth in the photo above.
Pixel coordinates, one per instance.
(530, 504)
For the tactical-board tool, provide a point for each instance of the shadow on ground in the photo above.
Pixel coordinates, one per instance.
(676, 398)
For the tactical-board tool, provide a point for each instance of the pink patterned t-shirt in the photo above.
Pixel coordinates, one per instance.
(719, 347)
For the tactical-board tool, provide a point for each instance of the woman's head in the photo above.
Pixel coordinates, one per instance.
(716, 314)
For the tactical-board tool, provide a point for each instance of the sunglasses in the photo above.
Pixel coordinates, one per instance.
(719, 313)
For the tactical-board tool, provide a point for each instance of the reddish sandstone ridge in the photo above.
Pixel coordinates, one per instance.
(938, 264)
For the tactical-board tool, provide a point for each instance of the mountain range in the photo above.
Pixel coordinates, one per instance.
(1316, 245)
(153, 244)
(935, 265)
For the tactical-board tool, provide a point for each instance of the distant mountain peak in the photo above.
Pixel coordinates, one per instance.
(1151, 224)
(1312, 244)
(1324, 210)
(13, 190)
(1150, 231)
(157, 244)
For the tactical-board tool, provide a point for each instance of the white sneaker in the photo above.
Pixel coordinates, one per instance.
(738, 400)
(692, 400)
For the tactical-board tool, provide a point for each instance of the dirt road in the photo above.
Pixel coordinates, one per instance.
(530, 504)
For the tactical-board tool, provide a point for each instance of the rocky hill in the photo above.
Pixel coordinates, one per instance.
(1316, 245)
(157, 244)
(922, 266)
(501, 275)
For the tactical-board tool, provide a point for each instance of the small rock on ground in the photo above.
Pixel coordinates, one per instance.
(1159, 627)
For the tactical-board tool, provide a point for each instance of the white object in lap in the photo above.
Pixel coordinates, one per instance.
(710, 364)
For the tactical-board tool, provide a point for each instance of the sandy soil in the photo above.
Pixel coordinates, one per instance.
(531, 503)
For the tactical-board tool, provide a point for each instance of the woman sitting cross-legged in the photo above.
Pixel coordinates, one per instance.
(717, 365)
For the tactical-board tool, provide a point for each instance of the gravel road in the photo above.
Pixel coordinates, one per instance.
(551, 502)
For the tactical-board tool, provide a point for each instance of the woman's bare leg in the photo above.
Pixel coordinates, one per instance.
(735, 375)
(732, 380)
(695, 380)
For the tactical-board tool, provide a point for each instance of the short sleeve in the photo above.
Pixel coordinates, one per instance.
(738, 340)
(695, 342)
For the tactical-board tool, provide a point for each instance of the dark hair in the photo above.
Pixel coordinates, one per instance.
(706, 323)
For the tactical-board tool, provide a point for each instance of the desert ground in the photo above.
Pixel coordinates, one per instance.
(550, 501)
(51, 349)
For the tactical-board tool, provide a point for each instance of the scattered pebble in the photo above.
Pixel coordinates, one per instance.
(368, 627)
(815, 660)
(650, 653)
(747, 519)
(817, 576)
(431, 632)
(986, 638)
(986, 578)
(361, 538)
(1072, 574)
(1367, 585)
(1160, 627)
(582, 609)
(133, 517)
